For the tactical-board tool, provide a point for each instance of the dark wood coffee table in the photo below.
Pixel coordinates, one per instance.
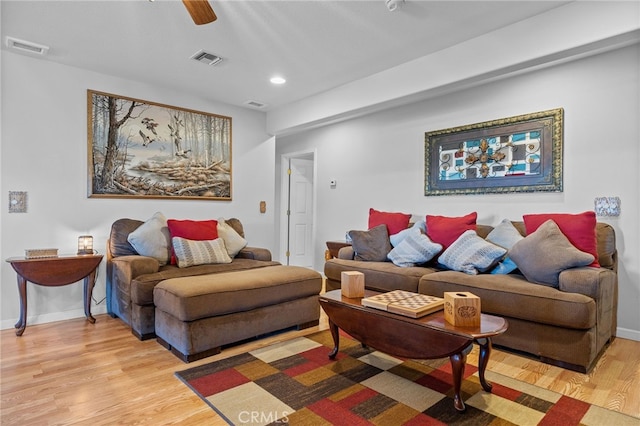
(429, 337)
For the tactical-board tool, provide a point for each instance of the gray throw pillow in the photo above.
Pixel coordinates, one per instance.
(152, 238)
(372, 245)
(543, 254)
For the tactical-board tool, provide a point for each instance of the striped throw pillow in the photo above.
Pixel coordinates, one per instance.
(192, 252)
(471, 254)
(414, 249)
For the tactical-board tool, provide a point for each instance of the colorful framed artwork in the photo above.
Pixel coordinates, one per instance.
(144, 149)
(515, 154)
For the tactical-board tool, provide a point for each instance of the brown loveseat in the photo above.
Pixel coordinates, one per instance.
(567, 326)
(197, 309)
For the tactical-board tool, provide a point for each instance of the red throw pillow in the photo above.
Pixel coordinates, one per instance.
(199, 230)
(580, 229)
(395, 222)
(445, 230)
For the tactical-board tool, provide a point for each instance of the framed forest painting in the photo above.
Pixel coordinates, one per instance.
(144, 149)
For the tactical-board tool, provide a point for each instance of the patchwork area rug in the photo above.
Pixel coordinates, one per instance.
(294, 382)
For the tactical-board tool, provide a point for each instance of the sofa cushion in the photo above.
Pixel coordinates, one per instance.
(120, 230)
(542, 255)
(193, 298)
(445, 230)
(471, 254)
(191, 253)
(395, 222)
(513, 296)
(372, 245)
(416, 248)
(152, 238)
(233, 241)
(580, 229)
(379, 276)
(198, 230)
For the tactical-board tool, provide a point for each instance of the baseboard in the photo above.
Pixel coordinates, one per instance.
(626, 333)
(53, 317)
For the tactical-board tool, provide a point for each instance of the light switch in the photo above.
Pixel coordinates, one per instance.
(263, 206)
(333, 183)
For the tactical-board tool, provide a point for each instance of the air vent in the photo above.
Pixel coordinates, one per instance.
(26, 46)
(206, 58)
(255, 104)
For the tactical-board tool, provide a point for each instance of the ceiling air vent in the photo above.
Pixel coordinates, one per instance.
(255, 104)
(206, 58)
(26, 46)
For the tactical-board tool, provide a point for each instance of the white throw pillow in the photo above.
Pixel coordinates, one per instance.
(396, 239)
(232, 240)
(192, 252)
(471, 254)
(414, 249)
(152, 239)
(504, 235)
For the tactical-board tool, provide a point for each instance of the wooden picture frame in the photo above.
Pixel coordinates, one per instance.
(143, 149)
(515, 154)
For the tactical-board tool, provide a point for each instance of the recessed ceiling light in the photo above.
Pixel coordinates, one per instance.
(278, 80)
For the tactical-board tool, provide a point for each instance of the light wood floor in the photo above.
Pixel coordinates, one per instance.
(77, 373)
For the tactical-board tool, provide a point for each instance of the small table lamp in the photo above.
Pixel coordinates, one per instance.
(85, 244)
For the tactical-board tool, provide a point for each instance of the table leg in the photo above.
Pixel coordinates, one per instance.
(457, 368)
(22, 291)
(335, 333)
(483, 360)
(89, 282)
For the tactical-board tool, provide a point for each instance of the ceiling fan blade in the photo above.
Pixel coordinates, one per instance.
(200, 10)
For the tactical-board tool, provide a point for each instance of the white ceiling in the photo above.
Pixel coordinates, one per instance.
(315, 45)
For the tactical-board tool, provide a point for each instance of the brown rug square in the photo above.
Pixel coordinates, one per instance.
(295, 383)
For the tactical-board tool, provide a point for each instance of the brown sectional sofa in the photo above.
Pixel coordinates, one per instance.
(567, 326)
(195, 310)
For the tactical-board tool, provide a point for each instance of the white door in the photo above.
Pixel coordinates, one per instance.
(301, 213)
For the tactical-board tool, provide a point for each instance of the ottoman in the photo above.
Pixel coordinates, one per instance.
(196, 316)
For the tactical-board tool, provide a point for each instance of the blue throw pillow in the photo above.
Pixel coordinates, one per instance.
(505, 267)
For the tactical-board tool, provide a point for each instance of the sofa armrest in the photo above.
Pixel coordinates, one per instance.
(346, 253)
(601, 285)
(255, 253)
(130, 267)
(597, 283)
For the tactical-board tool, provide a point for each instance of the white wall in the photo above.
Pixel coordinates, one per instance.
(44, 152)
(378, 160)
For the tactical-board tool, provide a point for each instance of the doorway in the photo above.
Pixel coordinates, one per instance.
(298, 199)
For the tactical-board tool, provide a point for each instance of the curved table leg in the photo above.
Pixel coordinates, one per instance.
(335, 333)
(22, 291)
(89, 282)
(457, 368)
(483, 360)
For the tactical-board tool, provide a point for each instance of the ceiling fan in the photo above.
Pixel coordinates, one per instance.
(200, 10)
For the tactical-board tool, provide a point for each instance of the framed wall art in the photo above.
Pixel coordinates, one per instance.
(515, 154)
(143, 149)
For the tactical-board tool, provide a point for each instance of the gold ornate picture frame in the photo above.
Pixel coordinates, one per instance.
(515, 154)
(144, 149)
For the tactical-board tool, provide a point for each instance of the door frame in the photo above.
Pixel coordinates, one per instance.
(284, 201)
